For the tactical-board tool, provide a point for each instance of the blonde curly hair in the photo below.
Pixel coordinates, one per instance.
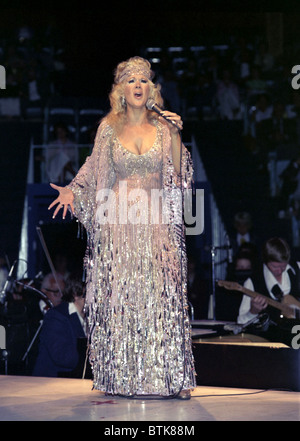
(117, 115)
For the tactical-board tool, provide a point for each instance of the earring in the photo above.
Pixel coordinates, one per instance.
(123, 101)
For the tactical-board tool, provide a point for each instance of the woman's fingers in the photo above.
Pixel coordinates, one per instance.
(173, 118)
(63, 201)
(56, 201)
(59, 206)
(56, 187)
(72, 207)
(65, 209)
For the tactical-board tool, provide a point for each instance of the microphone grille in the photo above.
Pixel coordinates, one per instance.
(150, 103)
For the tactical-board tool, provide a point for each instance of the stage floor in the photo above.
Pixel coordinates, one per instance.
(59, 399)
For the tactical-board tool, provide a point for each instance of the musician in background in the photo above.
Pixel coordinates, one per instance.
(227, 304)
(275, 278)
(63, 326)
(53, 288)
(3, 272)
(243, 233)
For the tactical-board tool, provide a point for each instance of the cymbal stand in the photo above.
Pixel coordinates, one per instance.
(212, 298)
(32, 341)
(50, 304)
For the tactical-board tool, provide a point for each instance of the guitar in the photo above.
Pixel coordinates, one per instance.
(289, 306)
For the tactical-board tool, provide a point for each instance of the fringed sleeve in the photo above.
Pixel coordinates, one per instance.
(97, 172)
(170, 176)
(177, 189)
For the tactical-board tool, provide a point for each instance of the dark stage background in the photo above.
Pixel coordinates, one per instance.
(90, 41)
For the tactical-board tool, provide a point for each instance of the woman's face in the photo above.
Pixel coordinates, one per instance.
(136, 91)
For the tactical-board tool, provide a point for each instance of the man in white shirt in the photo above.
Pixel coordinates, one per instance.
(275, 279)
(242, 235)
(243, 225)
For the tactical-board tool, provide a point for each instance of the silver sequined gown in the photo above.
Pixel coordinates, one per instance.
(140, 340)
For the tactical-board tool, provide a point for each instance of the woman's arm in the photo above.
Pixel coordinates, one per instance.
(175, 138)
(176, 151)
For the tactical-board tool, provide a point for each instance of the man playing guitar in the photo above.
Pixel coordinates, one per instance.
(274, 289)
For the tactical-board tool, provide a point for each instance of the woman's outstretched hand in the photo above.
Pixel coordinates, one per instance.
(64, 200)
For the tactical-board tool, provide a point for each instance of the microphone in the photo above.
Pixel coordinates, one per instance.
(37, 277)
(229, 250)
(7, 283)
(151, 105)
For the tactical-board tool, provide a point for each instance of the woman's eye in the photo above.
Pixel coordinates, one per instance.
(132, 80)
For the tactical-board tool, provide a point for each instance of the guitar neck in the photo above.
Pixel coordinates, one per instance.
(270, 301)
